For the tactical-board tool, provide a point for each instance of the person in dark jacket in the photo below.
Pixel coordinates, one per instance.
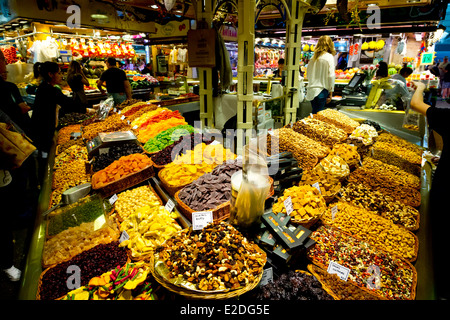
(76, 81)
(46, 111)
(437, 119)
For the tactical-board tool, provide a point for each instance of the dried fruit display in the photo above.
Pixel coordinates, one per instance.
(293, 286)
(215, 258)
(167, 137)
(307, 203)
(329, 185)
(115, 152)
(364, 133)
(320, 131)
(92, 263)
(347, 152)
(211, 189)
(373, 229)
(335, 165)
(70, 242)
(381, 204)
(110, 124)
(151, 131)
(308, 144)
(397, 277)
(119, 169)
(400, 142)
(64, 133)
(398, 156)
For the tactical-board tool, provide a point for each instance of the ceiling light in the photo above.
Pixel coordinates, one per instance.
(99, 16)
(154, 6)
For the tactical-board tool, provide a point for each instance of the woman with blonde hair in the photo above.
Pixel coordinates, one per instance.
(76, 81)
(321, 74)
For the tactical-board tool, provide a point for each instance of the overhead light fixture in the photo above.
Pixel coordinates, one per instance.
(373, 4)
(99, 16)
(413, 1)
(154, 6)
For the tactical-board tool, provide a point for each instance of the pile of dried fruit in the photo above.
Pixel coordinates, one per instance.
(92, 263)
(110, 124)
(114, 153)
(347, 152)
(373, 229)
(307, 203)
(320, 131)
(211, 189)
(153, 130)
(328, 184)
(147, 228)
(217, 257)
(335, 166)
(64, 134)
(167, 137)
(364, 133)
(397, 277)
(119, 169)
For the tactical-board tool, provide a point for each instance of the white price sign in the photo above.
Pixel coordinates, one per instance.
(288, 205)
(266, 277)
(317, 186)
(201, 219)
(113, 199)
(340, 270)
(124, 236)
(169, 205)
(122, 118)
(334, 210)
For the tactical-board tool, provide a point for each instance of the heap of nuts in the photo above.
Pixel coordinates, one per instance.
(347, 152)
(391, 173)
(110, 124)
(344, 290)
(399, 142)
(309, 145)
(373, 229)
(399, 156)
(64, 134)
(374, 181)
(217, 257)
(381, 204)
(307, 203)
(320, 131)
(335, 165)
(71, 174)
(338, 119)
(281, 142)
(75, 152)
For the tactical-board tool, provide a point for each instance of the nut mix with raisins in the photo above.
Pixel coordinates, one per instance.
(217, 257)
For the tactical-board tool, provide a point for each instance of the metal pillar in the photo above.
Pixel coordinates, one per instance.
(204, 15)
(297, 10)
(246, 66)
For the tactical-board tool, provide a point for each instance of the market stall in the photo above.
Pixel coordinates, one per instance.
(321, 172)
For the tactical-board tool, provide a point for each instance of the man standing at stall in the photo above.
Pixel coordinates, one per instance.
(116, 82)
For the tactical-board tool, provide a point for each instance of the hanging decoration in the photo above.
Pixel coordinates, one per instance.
(169, 4)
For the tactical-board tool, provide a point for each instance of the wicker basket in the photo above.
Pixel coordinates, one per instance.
(317, 272)
(125, 182)
(170, 189)
(414, 281)
(190, 294)
(221, 212)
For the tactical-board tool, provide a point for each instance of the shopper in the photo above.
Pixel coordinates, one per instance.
(147, 69)
(46, 111)
(279, 72)
(76, 80)
(11, 100)
(342, 61)
(446, 83)
(116, 82)
(404, 73)
(440, 189)
(321, 74)
(382, 71)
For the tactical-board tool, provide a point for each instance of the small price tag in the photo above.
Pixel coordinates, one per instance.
(341, 271)
(169, 205)
(317, 186)
(135, 127)
(200, 219)
(311, 115)
(215, 142)
(270, 132)
(124, 236)
(288, 205)
(115, 109)
(283, 171)
(113, 199)
(276, 183)
(267, 276)
(120, 111)
(122, 118)
(334, 210)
